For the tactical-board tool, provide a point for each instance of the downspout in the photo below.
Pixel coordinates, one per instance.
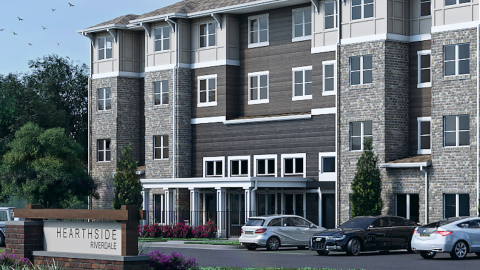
(478, 121)
(337, 119)
(175, 71)
(426, 192)
(89, 152)
(252, 196)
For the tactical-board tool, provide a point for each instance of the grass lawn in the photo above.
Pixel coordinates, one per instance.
(2, 250)
(255, 268)
(215, 242)
(149, 239)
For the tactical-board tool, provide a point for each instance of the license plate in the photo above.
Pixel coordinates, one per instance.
(249, 232)
(319, 239)
(424, 235)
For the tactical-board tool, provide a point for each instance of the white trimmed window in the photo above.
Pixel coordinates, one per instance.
(456, 130)
(213, 166)
(302, 83)
(104, 48)
(408, 206)
(258, 31)
(302, 24)
(425, 8)
(361, 71)
(456, 59)
(424, 69)
(160, 147)
(455, 2)
(239, 166)
(104, 99)
(329, 78)
(456, 205)
(331, 15)
(258, 87)
(103, 150)
(294, 164)
(362, 9)
(162, 38)
(327, 166)
(359, 133)
(207, 90)
(265, 165)
(207, 34)
(160, 92)
(424, 135)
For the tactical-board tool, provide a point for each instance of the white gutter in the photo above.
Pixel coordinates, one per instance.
(89, 152)
(478, 114)
(422, 168)
(337, 126)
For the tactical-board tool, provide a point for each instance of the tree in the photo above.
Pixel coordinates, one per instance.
(45, 167)
(127, 186)
(366, 185)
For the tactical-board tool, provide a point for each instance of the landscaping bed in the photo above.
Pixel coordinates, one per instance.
(214, 242)
(258, 268)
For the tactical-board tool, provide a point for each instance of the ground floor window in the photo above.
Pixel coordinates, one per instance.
(408, 206)
(456, 205)
(159, 212)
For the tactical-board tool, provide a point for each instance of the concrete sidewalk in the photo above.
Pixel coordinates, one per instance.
(181, 244)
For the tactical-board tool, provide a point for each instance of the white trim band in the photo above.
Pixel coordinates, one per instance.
(207, 120)
(268, 119)
(405, 165)
(456, 26)
(323, 111)
(330, 48)
(118, 74)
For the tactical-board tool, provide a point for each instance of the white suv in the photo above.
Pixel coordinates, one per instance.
(6, 214)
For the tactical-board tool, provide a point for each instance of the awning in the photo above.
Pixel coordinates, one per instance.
(409, 162)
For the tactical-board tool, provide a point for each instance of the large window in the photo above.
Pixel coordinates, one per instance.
(258, 87)
(104, 48)
(359, 133)
(239, 166)
(294, 164)
(103, 150)
(456, 205)
(213, 166)
(331, 15)
(258, 31)
(456, 59)
(456, 130)
(160, 147)
(207, 90)
(162, 38)
(329, 78)
(424, 69)
(327, 166)
(408, 206)
(424, 136)
(160, 92)
(362, 9)
(302, 83)
(361, 70)
(455, 2)
(302, 24)
(104, 99)
(265, 165)
(207, 34)
(425, 8)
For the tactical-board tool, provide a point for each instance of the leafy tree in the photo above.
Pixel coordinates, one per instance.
(44, 167)
(127, 185)
(366, 185)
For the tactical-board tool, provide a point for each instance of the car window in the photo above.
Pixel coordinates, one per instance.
(275, 222)
(288, 221)
(357, 222)
(3, 216)
(300, 222)
(471, 224)
(255, 222)
(396, 221)
(381, 222)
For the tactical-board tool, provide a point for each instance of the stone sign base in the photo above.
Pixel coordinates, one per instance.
(90, 261)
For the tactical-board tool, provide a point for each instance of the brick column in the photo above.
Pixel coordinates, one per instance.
(24, 237)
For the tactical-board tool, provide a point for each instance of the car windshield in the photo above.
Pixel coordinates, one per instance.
(255, 222)
(358, 222)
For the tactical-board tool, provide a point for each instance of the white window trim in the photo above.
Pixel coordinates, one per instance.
(457, 202)
(105, 150)
(419, 66)
(419, 121)
(420, 9)
(362, 135)
(302, 155)
(257, 157)
(259, 44)
(208, 34)
(207, 77)
(457, 60)
(303, 69)
(361, 70)
(335, 15)
(407, 198)
(169, 39)
(304, 37)
(457, 3)
(457, 132)
(334, 92)
(161, 147)
(326, 176)
(104, 99)
(161, 93)
(205, 159)
(104, 49)
(258, 74)
(362, 5)
(235, 158)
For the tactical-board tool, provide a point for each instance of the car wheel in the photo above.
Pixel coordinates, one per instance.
(273, 243)
(301, 247)
(322, 252)
(2, 239)
(428, 254)
(459, 250)
(354, 247)
(252, 247)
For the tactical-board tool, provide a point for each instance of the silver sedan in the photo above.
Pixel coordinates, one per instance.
(273, 231)
(457, 236)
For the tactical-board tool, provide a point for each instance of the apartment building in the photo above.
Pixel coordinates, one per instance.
(238, 108)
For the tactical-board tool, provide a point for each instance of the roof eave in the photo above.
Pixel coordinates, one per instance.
(102, 28)
(406, 165)
(158, 18)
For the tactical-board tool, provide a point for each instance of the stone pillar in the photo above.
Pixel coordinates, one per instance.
(146, 205)
(169, 215)
(221, 212)
(23, 237)
(247, 203)
(194, 207)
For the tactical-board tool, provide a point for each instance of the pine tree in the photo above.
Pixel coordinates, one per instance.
(127, 185)
(366, 198)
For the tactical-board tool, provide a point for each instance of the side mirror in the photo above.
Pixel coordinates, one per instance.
(312, 226)
(371, 226)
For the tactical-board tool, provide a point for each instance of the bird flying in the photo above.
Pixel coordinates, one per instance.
(1, 30)
(44, 27)
(68, 57)
(70, 4)
(20, 19)
(30, 44)
(58, 44)
(14, 33)
(53, 9)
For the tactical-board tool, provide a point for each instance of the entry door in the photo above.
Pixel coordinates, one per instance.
(328, 211)
(210, 207)
(294, 204)
(379, 234)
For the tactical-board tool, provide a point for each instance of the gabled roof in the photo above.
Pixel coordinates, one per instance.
(123, 20)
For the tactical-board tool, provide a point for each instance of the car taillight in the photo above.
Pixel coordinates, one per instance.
(443, 233)
(241, 230)
(414, 232)
(260, 230)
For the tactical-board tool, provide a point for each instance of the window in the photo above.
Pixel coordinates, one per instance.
(162, 38)
(424, 69)
(103, 150)
(104, 99)
(160, 147)
(425, 9)
(104, 48)
(456, 59)
(239, 166)
(456, 130)
(265, 165)
(302, 24)
(302, 83)
(362, 9)
(331, 15)
(213, 167)
(424, 136)
(207, 90)
(294, 164)
(456, 205)
(359, 133)
(207, 34)
(327, 166)
(258, 87)
(456, 2)
(258, 31)
(160, 92)
(329, 78)
(160, 208)
(361, 70)
(408, 206)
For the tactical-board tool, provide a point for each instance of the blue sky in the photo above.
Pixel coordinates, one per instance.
(61, 24)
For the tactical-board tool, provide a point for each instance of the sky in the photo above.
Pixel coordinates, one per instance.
(60, 36)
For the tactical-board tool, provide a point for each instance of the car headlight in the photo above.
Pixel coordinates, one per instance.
(336, 238)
